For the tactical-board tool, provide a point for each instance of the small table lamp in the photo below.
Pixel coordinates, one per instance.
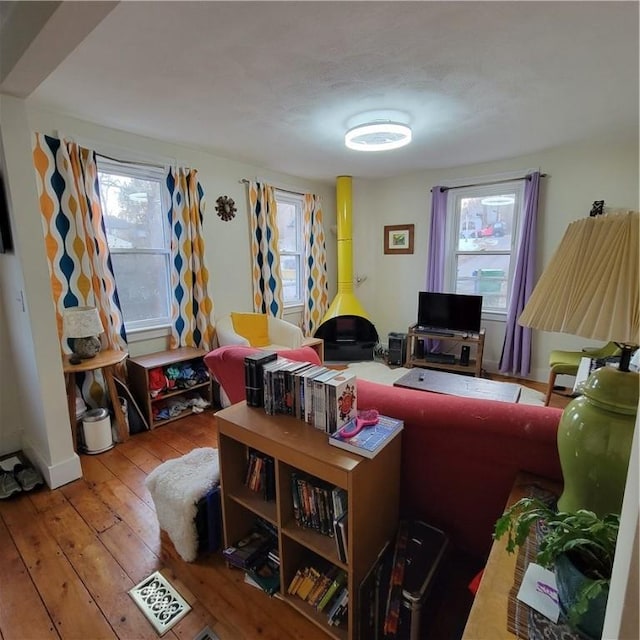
(82, 326)
(591, 289)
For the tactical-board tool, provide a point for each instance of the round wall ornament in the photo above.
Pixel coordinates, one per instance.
(226, 208)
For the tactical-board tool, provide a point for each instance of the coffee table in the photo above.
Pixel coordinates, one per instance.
(457, 385)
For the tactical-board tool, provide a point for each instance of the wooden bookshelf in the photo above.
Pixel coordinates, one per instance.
(372, 486)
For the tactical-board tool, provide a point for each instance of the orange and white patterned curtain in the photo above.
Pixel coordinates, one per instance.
(267, 277)
(76, 241)
(315, 265)
(192, 307)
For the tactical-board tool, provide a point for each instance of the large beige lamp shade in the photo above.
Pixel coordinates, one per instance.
(590, 289)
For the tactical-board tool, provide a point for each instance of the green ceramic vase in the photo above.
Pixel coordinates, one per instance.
(594, 442)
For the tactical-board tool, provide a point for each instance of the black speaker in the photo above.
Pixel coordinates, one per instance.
(397, 348)
(419, 348)
(464, 355)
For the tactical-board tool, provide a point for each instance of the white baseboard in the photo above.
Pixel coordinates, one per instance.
(58, 474)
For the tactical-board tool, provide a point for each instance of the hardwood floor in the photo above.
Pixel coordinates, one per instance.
(68, 557)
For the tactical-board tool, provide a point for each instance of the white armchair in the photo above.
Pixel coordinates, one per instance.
(282, 334)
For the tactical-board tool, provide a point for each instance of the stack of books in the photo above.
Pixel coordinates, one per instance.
(257, 554)
(323, 589)
(324, 398)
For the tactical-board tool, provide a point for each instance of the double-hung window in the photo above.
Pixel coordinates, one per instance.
(290, 246)
(483, 239)
(134, 201)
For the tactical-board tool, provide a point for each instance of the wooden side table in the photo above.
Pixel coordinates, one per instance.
(317, 344)
(488, 616)
(106, 360)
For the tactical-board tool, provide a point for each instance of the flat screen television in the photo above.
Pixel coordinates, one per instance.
(449, 312)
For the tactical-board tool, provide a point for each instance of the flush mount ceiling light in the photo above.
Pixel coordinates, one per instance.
(378, 136)
(497, 201)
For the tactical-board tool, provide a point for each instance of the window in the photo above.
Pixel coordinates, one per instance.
(134, 202)
(483, 233)
(290, 246)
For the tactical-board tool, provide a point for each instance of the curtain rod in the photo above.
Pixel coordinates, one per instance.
(139, 162)
(482, 184)
(297, 193)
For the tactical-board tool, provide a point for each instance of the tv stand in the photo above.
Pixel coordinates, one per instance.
(474, 340)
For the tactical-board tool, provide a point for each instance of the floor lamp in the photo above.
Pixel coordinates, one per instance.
(591, 289)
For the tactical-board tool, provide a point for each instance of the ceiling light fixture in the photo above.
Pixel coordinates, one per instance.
(497, 201)
(378, 136)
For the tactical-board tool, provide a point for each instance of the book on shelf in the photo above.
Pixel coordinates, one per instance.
(247, 550)
(265, 571)
(319, 398)
(332, 590)
(340, 534)
(371, 439)
(341, 400)
(309, 393)
(301, 388)
(260, 474)
(253, 379)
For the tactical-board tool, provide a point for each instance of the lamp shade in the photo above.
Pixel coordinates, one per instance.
(81, 322)
(590, 287)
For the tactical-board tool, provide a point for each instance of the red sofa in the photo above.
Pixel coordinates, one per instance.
(459, 456)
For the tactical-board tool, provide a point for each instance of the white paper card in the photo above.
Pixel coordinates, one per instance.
(539, 590)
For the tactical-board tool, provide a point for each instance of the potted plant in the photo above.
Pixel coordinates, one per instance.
(579, 546)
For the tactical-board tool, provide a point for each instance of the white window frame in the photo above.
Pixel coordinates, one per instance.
(145, 328)
(297, 200)
(453, 225)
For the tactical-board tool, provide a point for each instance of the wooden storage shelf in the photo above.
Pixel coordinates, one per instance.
(296, 447)
(138, 372)
(474, 340)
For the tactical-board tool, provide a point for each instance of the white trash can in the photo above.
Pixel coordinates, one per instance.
(96, 426)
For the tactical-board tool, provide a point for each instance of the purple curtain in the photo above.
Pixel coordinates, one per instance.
(516, 350)
(437, 247)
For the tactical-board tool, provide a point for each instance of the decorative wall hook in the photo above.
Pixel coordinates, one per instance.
(226, 208)
(597, 208)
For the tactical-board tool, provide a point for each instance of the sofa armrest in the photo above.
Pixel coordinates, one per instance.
(226, 334)
(284, 333)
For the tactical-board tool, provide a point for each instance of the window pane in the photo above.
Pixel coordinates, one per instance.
(287, 227)
(485, 275)
(486, 223)
(142, 286)
(133, 212)
(291, 277)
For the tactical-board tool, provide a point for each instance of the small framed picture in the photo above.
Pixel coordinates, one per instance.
(398, 238)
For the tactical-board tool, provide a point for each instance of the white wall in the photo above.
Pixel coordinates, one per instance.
(30, 340)
(577, 175)
(33, 408)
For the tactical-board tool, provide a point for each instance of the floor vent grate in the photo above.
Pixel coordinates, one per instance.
(159, 601)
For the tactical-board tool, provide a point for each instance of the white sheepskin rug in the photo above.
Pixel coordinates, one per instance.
(176, 486)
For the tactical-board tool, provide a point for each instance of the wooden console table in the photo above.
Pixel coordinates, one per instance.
(488, 617)
(475, 342)
(106, 360)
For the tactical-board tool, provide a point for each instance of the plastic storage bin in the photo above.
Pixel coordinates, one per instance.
(96, 427)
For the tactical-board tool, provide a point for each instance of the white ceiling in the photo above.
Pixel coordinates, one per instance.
(276, 84)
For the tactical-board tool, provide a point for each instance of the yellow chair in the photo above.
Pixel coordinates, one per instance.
(258, 330)
(567, 362)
